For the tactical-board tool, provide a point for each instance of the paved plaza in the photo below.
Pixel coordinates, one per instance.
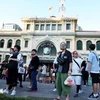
(46, 91)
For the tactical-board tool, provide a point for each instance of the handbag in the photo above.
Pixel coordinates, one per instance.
(89, 81)
(4, 71)
(69, 81)
(21, 70)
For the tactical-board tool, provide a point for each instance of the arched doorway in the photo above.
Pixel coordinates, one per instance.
(46, 52)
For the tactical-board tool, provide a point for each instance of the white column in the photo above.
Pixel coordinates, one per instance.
(50, 26)
(5, 44)
(45, 26)
(25, 25)
(39, 26)
(56, 26)
(73, 46)
(94, 41)
(84, 44)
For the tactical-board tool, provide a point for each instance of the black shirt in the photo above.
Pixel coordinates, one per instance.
(13, 64)
(67, 59)
(34, 63)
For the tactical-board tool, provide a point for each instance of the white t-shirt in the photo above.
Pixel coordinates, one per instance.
(19, 57)
(75, 67)
(55, 61)
(44, 69)
(10, 55)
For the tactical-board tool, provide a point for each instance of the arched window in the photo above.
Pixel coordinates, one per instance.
(9, 44)
(18, 42)
(88, 44)
(98, 45)
(25, 59)
(79, 45)
(26, 43)
(6, 58)
(2, 43)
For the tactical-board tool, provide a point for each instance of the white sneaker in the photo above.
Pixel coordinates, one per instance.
(80, 91)
(54, 89)
(29, 87)
(13, 93)
(1, 91)
(5, 91)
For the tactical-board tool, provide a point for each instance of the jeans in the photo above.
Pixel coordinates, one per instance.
(34, 81)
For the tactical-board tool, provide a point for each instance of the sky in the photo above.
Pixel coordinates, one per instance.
(87, 11)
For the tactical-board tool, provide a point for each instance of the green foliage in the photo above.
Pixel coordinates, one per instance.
(3, 97)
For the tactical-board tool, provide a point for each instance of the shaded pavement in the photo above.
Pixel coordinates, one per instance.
(46, 91)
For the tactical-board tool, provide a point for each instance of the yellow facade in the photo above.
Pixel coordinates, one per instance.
(45, 35)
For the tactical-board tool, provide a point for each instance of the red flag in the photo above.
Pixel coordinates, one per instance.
(50, 8)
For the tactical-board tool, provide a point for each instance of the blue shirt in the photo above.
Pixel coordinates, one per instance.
(94, 59)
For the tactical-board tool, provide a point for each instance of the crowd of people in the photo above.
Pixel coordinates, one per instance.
(65, 64)
(10, 70)
(14, 71)
(71, 64)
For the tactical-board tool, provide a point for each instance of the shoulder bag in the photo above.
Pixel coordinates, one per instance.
(77, 63)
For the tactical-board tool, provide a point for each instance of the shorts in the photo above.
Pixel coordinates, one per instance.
(43, 75)
(95, 77)
(77, 79)
(53, 74)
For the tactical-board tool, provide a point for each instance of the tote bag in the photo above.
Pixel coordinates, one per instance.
(21, 70)
(69, 81)
(89, 81)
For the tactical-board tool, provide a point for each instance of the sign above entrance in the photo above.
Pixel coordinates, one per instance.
(47, 48)
(47, 45)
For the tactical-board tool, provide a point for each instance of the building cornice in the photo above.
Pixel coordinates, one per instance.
(48, 19)
(88, 34)
(50, 34)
